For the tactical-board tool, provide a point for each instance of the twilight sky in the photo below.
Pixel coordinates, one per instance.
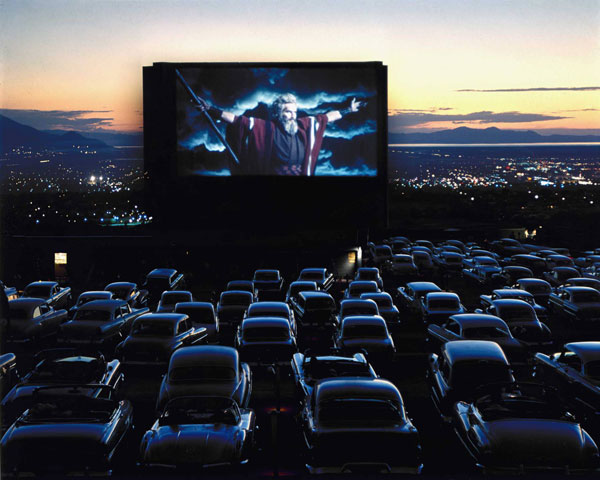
(77, 64)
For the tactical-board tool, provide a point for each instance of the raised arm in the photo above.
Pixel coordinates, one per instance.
(215, 112)
(334, 115)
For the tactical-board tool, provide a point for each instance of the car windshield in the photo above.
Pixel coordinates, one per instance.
(93, 315)
(239, 300)
(357, 290)
(266, 276)
(266, 334)
(473, 374)
(442, 304)
(267, 312)
(204, 316)
(121, 293)
(586, 297)
(517, 314)
(70, 371)
(359, 412)
(367, 275)
(174, 298)
(383, 302)
(485, 332)
(364, 331)
(592, 370)
(359, 310)
(382, 251)
(86, 299)
(312, 276)
(510, 406)
(320, 304)
(19, 313)
(318, 369)
(200, 410)
(157, 284)
(70, 408)
(487, 261)
(37, 291)
(402, 260)
(152, 328)
(201, 373)
(537, 288)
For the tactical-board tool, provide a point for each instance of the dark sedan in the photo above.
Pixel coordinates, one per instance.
(32, 320)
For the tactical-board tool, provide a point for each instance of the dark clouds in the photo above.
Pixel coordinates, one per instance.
(534, 89)
(400, 121)
(60, 119)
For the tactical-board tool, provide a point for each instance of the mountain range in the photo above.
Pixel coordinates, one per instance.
(466, 135)
(14, 134)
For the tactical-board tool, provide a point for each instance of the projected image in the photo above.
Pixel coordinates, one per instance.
(298, 121)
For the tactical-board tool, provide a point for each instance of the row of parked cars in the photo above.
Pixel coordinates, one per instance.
(204, 414)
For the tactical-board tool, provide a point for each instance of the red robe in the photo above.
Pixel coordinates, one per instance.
(252, 141)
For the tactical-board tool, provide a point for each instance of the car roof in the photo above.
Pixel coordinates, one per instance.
(507, 292)
(258, 322)
(350, 302)
(436, 295)
(120, 285)
(316, 294)
(304, 283)
(313, 270)
(30, 302)
(103, 304)
(176, 292)
(266, 270)
(269, 306)
(587, 351)
(161, 273)
(368, 270)
(333, 389)
(579, 288)
(45, 283)
(362, 283)
(195, 305)
(363, 320)
(205, 355)
(474, 320)
(510, 302)
(420, 286)
(95, 293)
(163, 317)
(532, 280)
(373, 295)
(473, 350)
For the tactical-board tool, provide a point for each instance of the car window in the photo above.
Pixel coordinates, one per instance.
(453, 327)
(570, 359)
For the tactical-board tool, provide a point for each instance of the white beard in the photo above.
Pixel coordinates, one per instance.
(290, 126)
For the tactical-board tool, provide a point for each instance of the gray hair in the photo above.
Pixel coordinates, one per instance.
(277, 105)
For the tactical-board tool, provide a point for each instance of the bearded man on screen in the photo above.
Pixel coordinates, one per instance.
(286, 145)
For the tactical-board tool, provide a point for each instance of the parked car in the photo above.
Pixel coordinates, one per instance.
(153, 339)
(540, 289)
(31, 321)
(523, 322)
(269, 284)
(88, 296)
(8, 373)
(486, 300)
(197, 432)
(202, 314)
(291, 297)
(56, 367)
(357, 287)
(579, 307)
(582, 282)
(273, 309)
(575, 372)
(55, 296)
(266, 340)
(520, 432)
(231, 307)
(100, 324)
(10, 292)
(71, 431)
(437, 307)
(507, 247)
(481, 269)
(385, 307)
(448, 262)
(410, 295)
(367, 333)
(381, 254)
(559, 275)
(369, 273)
(356, 306)
(556, 260)
(244, 285)
(160, 280)
(477, 326)
(206, 370)
(463, 366)
(357, 425)
(309, 369)
(315, 315)
(170, 298)
(129, 292)
(536, 264)
(401, 265)
(423, 262)
(321, 276)
(511, 274)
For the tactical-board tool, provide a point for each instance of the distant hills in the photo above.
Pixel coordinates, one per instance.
(468, 135)
(14, 134)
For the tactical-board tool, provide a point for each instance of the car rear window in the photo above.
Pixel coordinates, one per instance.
(485, 332)
(586, 297)
(364, 331)
(266, 276)
(174, 298)
(258, 334)
(242, 300)
(93, 315)
(153, 328)
(200, 373)
(314, 276)
(37, 291)
(355, 412)
(445, 304)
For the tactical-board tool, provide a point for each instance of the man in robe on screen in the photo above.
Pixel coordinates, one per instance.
(287, 145)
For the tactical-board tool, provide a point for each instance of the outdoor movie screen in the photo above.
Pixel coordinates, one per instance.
(294, 120)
